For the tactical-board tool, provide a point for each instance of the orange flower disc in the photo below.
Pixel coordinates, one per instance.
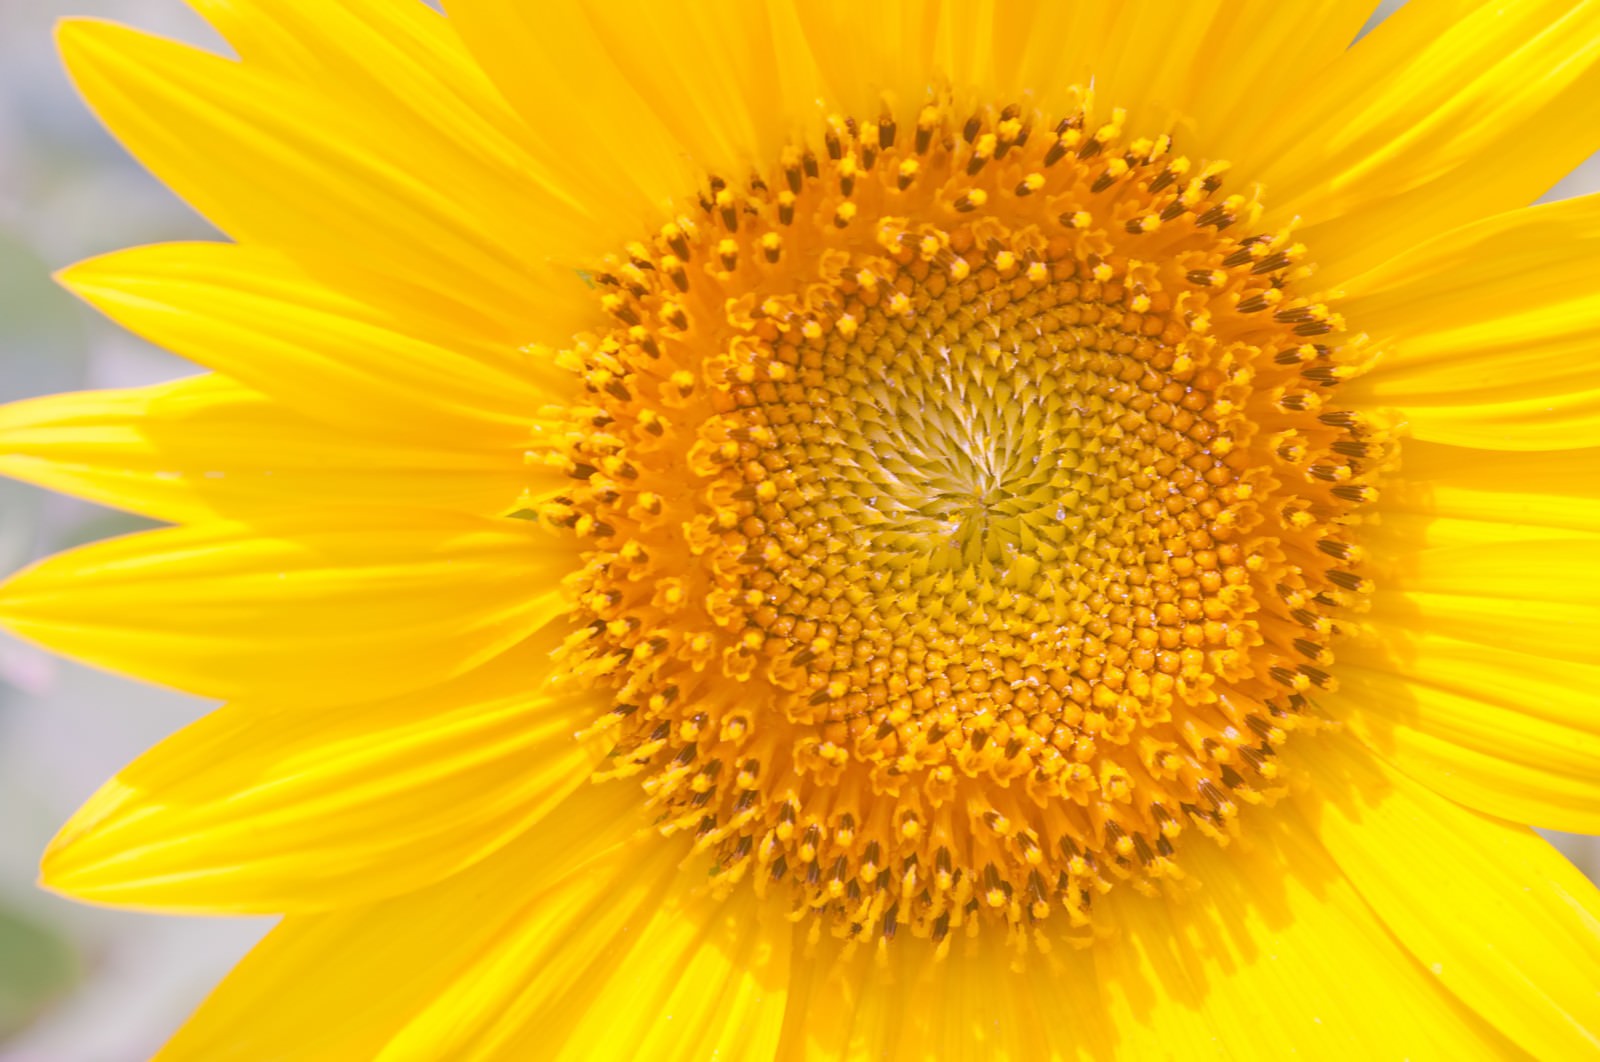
(965, 515)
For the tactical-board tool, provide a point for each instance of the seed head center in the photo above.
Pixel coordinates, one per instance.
(965, 517)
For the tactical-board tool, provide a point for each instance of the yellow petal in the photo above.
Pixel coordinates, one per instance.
(1223, 967)
(582, 940)
(747, 79)
(311, 988)
(1444, 113)
(259, 809)
(1487, 333)
(1507, 490)
(1498, 916)
(1534, 596)
(625, 960)
(1228, 968)
(320, 609)
(1503, 732)
(280, 163)
(205, 447)
(978, 1002)
(258, 318)
(593, 129)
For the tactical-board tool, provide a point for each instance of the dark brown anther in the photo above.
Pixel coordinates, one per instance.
(924, 139)
(809, 162)
(1313, 328)
(1237, 258)
(1345, 580)
(730, 218)
(970, 131)
(1090, 148)
(786, 213)
(1162, 180)
(1057, 152)
(680, 246)
(1271, 263)
(1172, 210)
(975, 165)
(1319, 678)
(886, 130)
(834, 145)
(1102, 182)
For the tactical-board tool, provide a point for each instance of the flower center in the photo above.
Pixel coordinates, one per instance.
(965, 517)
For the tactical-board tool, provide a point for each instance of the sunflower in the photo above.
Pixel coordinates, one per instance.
(834, 530)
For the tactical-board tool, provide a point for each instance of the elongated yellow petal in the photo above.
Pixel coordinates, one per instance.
(1223, 970)
(575, 941)
(1498, 916)
(1552, 489)
(255, 316)
(1506, 733)
(206, 447)
(1487, 332)
(593, 127)
(277, 163)
(321, 609)
(341, 984)
(978, 1002)
(624, 960)
(262, 809)
(1533, 596)
(1410, 133)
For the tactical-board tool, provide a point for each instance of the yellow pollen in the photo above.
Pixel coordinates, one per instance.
(966, 517)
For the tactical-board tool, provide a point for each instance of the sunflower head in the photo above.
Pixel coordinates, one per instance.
(746, 530)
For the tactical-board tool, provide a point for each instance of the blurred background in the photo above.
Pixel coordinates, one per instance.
(79, 984)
